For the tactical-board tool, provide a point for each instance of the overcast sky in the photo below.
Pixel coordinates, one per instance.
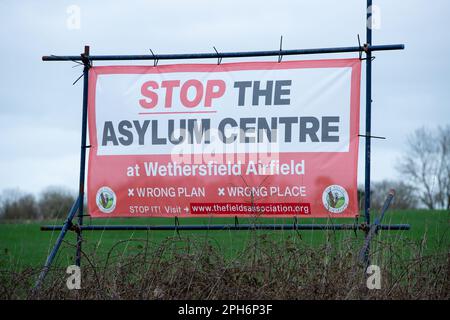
(40, 114)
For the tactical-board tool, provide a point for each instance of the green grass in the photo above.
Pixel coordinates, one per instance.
(22, 244)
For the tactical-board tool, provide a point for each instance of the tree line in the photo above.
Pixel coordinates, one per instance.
(424, 168)
(54, 202)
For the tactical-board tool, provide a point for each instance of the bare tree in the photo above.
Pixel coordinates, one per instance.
(426, 165)
(55, 202)
(443, 178)
(18, 205)
(405, 195)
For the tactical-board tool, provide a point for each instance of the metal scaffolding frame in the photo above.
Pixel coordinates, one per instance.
(369, 228)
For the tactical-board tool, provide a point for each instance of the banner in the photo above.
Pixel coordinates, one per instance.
(237, 139)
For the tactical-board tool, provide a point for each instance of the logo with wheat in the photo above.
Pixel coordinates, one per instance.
(106, 200)
(335, 198)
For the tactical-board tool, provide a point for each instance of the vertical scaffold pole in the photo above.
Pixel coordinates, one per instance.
(368, 113)
(87, 65)
(368, 123)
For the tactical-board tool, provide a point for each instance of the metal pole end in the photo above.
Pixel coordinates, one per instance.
(85, 57)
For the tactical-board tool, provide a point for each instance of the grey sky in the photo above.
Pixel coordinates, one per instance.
(40, 111)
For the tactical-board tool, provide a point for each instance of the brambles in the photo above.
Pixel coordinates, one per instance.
(195, 268)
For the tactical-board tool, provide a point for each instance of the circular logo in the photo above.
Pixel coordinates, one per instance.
(106, 199)
(335, 198)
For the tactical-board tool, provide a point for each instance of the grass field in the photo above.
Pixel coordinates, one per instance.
(22, 244)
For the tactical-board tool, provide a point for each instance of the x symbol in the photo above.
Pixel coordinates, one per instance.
(131, 192)
(221, 191)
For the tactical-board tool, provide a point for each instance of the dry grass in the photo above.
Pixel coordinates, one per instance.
(190, 268)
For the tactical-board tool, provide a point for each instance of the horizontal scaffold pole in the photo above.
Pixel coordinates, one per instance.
(233, 227)
(214, 55)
